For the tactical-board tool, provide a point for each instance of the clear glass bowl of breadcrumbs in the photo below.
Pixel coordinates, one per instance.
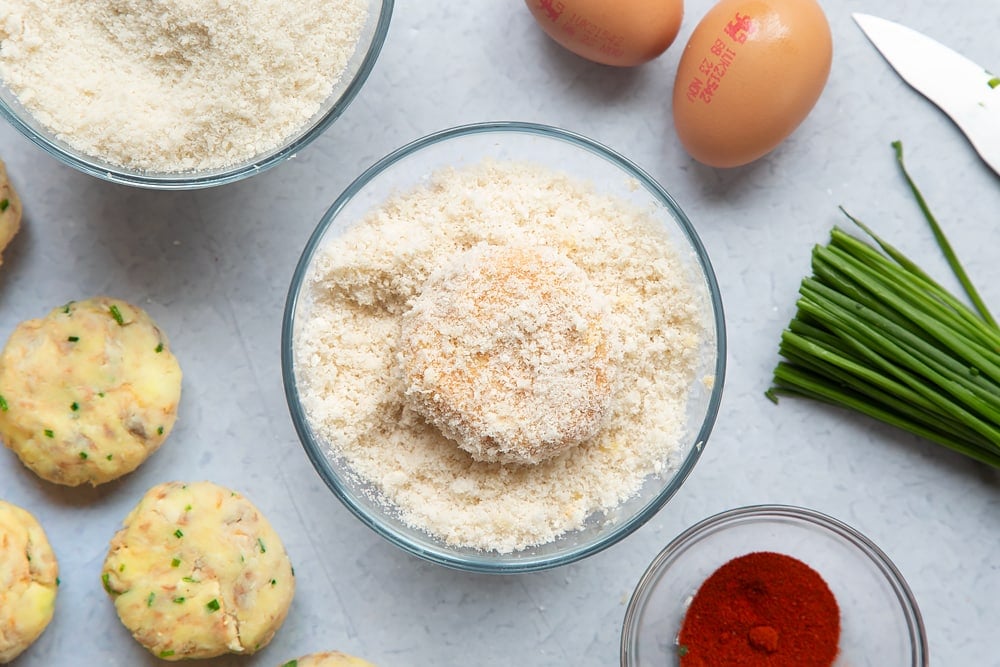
(880, 623)
(280, 136)
(416, 209)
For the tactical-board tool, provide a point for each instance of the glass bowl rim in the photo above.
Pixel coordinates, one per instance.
(190, 180)
(489, 562)
(802, 515)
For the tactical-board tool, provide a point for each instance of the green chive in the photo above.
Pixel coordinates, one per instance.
(149, 600)
(66, 307)
(159, 348)
(58, 581)
(875, 334)
(291, 663)
(190, 580)
(83, 455)
(109, 456)
(4, 203)
(260, 543)
(106, 580)
(49, 433)
(166, 654)
(159, 430)
(101, 394)
(74, 339)
(187, 508)
(994, 82)
(274, 582)
(213, 605)
(178, 533)
(179, 600)
(3, 404)
(74, 406)
(175, 562)
(117, 315)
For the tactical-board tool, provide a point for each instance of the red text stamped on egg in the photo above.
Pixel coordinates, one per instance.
(587, 32)
(716, 63)
(553, 8)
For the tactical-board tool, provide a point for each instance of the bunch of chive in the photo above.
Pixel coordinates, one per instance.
(875, 334)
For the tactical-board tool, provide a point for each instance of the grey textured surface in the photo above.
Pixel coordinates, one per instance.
(212, 267)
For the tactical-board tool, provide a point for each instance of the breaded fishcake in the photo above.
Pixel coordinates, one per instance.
(507, 351)
(10, 211)
(28, 581)
(197, 571)
(87, 392)
(328, 659)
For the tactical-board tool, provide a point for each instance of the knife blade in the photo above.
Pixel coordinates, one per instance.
(968, 93)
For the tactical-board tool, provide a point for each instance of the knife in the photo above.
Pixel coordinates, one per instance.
(967, 92)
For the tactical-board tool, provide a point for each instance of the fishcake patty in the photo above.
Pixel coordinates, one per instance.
(10, 211)
(508, 352)
(87, 392)
(28, 581)
(196, 571)
(328, 659)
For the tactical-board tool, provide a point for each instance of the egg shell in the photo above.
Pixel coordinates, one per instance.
(751, 72)
(622, 33)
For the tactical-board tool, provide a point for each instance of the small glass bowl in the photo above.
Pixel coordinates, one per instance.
(575, 156)
(881, 625)
(355, 74)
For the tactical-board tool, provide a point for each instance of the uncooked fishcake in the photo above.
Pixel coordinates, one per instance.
(507, 351)
(197, 571)
(10, 210)
(87, 392)
(328, 659)
(28, 581)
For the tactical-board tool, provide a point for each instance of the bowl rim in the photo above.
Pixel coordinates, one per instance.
(190, 180)
(489, 562)
(716, 522)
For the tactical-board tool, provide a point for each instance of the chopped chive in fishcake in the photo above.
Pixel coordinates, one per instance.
(159, 348)
(213, 605)
(117, 315)
(3, 404)
(149, 600)
(49, 433)
(175, 562)
(83, 455)
(74, 406)
(260, 543)
(4, 204)
(178, 533)
(73, 339)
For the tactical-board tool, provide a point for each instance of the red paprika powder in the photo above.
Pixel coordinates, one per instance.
(762, 609)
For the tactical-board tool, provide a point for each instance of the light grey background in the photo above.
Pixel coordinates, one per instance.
(212, 267)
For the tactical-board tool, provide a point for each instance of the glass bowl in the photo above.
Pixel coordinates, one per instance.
(574, 156)
(355, 74)
(881, 625)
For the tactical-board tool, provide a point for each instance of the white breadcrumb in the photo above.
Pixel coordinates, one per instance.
(347, 338)
(176, 85)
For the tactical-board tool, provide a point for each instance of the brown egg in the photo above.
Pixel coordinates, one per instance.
(612, 32)
(750, 74)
